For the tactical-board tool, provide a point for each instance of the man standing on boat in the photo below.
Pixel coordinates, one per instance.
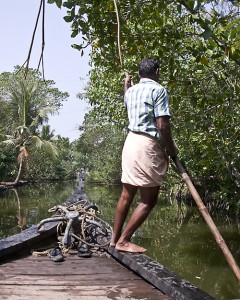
(145, 152)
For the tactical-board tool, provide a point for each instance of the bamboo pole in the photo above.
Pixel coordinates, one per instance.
(220, 241)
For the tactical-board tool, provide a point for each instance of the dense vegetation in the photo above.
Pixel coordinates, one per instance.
(25, 138)
(197, 43)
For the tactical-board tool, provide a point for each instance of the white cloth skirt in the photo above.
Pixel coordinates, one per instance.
(144, 161)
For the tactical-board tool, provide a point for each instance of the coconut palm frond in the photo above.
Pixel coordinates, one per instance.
(9, 137)
(37, 141)
(10, 142)
(22, 135)
(47, 134)
(42, 116)
(32, 88)
(51, 148)
(21, 96)
(23, 130)
(46, 111)
(46, 145)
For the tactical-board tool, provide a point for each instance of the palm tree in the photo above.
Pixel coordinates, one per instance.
(47, 134)
(26, 116)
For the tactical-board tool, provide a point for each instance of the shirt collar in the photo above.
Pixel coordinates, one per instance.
(142, 80)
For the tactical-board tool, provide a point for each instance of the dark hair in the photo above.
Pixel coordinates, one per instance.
(148, 67)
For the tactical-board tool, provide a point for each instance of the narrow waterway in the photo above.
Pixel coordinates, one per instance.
(178, 239)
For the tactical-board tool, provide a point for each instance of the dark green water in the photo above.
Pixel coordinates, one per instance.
(26, 206)
(181, 242)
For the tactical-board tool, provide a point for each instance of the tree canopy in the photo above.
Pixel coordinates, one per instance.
(197, 43)
(27, 103)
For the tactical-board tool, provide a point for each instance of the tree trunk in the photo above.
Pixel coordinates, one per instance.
(19, 172)
(16, 181)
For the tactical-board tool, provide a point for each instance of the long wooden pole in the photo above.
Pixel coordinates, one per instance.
(220, 241)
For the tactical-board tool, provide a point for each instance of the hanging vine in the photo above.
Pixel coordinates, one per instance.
(26, 63)
(118, 32)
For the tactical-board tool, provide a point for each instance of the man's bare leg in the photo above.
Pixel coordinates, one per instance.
(124, 203)
(149, 196)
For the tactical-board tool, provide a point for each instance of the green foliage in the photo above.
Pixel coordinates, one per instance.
(100, 147)
(7, 163)
(33, 95)
(43, 165)
(197, 43)
(26, 105)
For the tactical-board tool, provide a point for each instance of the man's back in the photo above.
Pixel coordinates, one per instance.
(145, 101)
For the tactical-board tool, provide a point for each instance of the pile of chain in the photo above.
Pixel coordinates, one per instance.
(79, 227)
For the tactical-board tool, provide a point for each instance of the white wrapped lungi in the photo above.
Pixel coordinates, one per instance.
(144, 161)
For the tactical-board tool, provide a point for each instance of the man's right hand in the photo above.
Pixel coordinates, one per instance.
(128, 82)
(164, 128)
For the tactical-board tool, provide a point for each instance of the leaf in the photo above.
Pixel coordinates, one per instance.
(68, 4)
(190, 4)
(232, 50)
(193, 101)
(233, 34)
(68, 18)
(204, 60)
(74, 33)
(75, 46)
(206, 34)
(111, 6)
(59, 3)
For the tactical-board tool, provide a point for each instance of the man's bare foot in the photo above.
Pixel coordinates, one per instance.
(112, 244)
(129, 247)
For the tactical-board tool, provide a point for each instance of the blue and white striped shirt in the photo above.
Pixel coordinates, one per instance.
(146, 101)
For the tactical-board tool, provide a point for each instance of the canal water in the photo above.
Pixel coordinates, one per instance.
(177, 238)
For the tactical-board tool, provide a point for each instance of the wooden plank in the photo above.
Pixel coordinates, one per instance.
(69, 280)
(90, 278)
(71, 266)
(92, 293)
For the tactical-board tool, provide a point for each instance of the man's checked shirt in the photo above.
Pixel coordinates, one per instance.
(146, 101)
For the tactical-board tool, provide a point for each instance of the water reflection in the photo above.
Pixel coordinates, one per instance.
(176, 237)
(26, 206)
(21, 215)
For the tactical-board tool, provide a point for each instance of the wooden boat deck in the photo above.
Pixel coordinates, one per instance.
(98, 277)
(115, 275)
